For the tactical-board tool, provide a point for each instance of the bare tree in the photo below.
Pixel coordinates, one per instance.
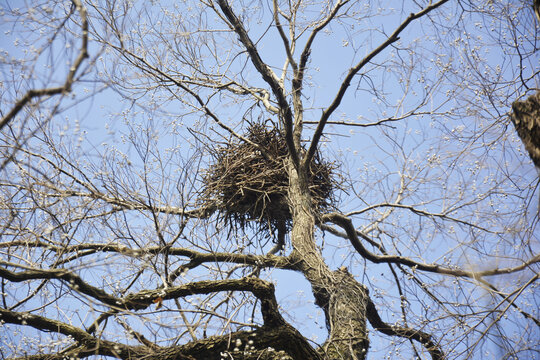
(221, 145)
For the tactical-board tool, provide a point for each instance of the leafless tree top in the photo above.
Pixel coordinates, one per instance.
(369, 144)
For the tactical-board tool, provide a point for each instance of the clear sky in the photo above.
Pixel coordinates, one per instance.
(434, 160)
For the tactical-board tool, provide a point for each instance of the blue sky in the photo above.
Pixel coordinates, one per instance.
(435, 156)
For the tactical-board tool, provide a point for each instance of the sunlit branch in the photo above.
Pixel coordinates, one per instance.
(398, 199)
(444, 216)
(68, 83)
(267, 74)
(196, 258)
(299, 72)
(284, 37)
(511, 302)
(112, 245)
(404, 332)
(179, 83)
(384, 121)
(141, 299)
(236, 88)
(510, 298)
(304, 57)
(140, 337)
(123, 204)
(274, 324)
(481, 280)
(73, 280)
(354, 70)
(353, 235)
(104, 347)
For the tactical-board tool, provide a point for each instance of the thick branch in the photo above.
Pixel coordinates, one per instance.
(276, 332)
(74, 281)
(526, 118)
(483, 282)
(346, 224)
(268, 343)
(263, 290)
(97, 346)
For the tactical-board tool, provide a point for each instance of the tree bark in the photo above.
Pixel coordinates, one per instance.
(526, 118)
(342, 298)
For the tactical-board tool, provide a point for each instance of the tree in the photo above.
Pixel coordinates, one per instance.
(225, 164)
(526, 119)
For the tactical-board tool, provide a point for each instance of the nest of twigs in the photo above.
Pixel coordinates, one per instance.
(250, 189)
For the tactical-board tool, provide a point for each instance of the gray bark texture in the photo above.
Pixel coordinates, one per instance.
(342, 298)
(526, 118)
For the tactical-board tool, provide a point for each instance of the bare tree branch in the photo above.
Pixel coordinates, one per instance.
(70, 78)
(152, 219)
(394, 330)
(354, 70)
(275, 325)
(196, 257)
(345, 223)
(268, 76)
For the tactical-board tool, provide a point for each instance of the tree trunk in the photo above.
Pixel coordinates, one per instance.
(526, 118)
(342, 298)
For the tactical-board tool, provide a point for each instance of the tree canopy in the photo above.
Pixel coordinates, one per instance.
(223, 179)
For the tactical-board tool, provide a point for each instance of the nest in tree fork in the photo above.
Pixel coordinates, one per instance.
(248, 188)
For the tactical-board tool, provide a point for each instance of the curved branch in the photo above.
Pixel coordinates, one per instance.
(482, 281)
(73, 280)
(266, 340)
(352, 234)
(276, 332)
(424, 338)
(66, 87)
(91, 346)
(304, 57)
(443, 215)
(118, 203)
(263, 290)
(284, 37)
(182, 85)
(354, 70)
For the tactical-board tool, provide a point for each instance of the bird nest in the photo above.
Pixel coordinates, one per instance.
(248, 187)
